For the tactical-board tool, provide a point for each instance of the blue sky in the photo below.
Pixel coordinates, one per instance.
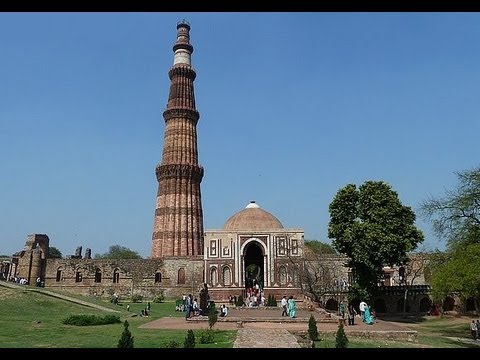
(293, 106)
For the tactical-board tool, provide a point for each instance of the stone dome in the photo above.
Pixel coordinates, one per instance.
(252, 218)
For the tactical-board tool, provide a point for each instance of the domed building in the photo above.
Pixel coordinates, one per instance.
(253, 248)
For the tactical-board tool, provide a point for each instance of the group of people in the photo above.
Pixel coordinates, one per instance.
(289, 307)
(366, 313)
(255, 296)
(191, 306)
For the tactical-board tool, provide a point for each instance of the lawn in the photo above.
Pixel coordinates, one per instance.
(34, 320)
(433, 332)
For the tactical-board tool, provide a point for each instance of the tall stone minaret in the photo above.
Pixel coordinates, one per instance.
(178, 222)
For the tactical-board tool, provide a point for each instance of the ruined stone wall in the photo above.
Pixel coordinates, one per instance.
(96, 277)
(185, 276)
(146, 277)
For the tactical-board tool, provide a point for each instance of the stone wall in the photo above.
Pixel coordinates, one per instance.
(126, 277)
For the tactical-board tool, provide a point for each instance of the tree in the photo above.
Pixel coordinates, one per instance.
(413, 269)
(322, 275)
(341, 340)
(118, 252)
(189, 342)
(456, 217)
(372, 227)
(320, 247)
(312, 328)
(54, 253)
(126, 340)
(459, 274)
(212, 315)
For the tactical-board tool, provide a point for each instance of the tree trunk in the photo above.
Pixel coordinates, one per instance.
(405, 302)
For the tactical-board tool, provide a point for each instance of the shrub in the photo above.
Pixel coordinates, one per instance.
(341, 340)
(212, 315)
(137, 298)
(189, 340)
(239, 300)
(271, 301)
(312, 328)
(89, 320)
(160, 297)
(172, 344)
(126, 340)
(207, 336)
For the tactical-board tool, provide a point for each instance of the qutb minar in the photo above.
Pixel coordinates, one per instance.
(178, 222)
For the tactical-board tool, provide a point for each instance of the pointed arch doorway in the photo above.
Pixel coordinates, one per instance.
(254, 265)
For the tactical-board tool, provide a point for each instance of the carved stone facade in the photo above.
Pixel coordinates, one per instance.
(253, 244)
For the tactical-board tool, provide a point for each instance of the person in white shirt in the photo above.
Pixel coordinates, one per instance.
(284, 306)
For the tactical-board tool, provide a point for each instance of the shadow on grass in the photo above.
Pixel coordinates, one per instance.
(409, 319)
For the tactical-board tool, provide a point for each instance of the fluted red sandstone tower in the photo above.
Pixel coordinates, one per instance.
(178, 222)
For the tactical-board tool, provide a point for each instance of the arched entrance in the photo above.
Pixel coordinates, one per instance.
(254, 271)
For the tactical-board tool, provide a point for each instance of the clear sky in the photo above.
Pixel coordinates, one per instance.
(293, 106)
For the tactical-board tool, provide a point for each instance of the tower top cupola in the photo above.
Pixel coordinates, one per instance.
(183, 49)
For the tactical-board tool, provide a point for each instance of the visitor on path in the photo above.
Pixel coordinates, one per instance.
(223, 311)
(341, 309)
(284, 304)
(351, 313)
(473, 329)
(363, 305)
(188, 307)
(478, 329)
(368, 319)
(292, 307)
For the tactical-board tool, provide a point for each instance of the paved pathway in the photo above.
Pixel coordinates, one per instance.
(274, 338)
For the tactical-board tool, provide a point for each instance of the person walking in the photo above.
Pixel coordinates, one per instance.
(284, 304)
(341, 309)
(473, 329)
(292, 307)
(363, 306)
(351, 313)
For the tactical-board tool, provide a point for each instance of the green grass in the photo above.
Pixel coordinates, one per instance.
(365, 343)
(433, 332)
(33, 320)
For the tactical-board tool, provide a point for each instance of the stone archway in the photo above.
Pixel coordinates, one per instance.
(253, 265)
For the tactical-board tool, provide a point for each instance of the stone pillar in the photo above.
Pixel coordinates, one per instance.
(266, 271)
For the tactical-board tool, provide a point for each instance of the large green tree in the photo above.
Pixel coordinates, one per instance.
(459, 274)
(118, 252)
(319, 247)
(372, 227)
(456, 216)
